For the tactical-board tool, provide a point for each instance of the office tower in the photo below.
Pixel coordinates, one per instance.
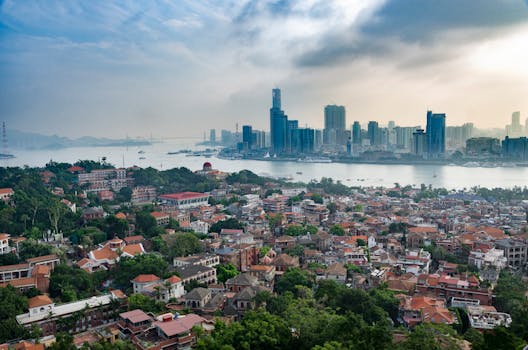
(515, 148)
(318, 139)
(292, 125)
(334, 125)
(260, 139)
(247, 137)
(356, 133)
(227, 137)
(514, 129)
(278, 124)
(419, 145)
(404, 136)
(212, 137)
(374, 134)
(384, 136)
(435, 132)
(391, 125)
(303, 140)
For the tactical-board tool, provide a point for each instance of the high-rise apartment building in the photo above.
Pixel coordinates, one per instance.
(356, 133)
(419, 145)
(435, 134)
(334, 125)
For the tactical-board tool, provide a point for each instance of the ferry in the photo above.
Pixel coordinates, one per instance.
(314, 160)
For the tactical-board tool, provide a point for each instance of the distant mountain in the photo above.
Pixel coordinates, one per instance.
(27, 140)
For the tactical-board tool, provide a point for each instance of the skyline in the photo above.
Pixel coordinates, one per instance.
(104, 69)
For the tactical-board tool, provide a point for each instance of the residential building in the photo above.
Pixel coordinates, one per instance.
(185, 200)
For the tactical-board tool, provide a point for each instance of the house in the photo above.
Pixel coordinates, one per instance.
(336, 272)
(421, 309)
(265, 274)
(134, 321)
(162, 219)
(284, 262)
(6, 194)
(197, 298)
(4, 243)
(198, 273)
(157, 288)
(206, 259)
(239, 282)
(486, 317)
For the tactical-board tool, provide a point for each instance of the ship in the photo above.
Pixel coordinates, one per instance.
(314, 160)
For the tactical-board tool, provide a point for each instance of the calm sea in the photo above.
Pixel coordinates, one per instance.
(155, 155)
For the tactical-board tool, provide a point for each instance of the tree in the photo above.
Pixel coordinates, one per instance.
(70, 283)
(337, 230)
(292, 278)
(63, 341)
(183, 244)
(225, 272)
(128, 268)
(140, 301)
(231, 224)
(12, 304)
(146, 223)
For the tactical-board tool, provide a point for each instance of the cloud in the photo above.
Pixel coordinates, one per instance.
(398, 23)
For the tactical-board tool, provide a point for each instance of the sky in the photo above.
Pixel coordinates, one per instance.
(179, 68)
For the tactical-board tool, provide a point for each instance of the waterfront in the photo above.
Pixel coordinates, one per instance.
(155, 155)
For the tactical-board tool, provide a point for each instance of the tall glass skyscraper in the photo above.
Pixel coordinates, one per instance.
(435, 134)
(278, 124)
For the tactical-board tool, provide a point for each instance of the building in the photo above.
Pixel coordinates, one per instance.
(483, 146)
(212, 137)
(486, 317)
(435, 134)
(206, 259)
(247, 137)
(157, 288)
(516, 252)
(447, 287)
(421, 309)
(356, 133)
(104, 179)
(278, 124)
(334, 132)
(185, 200)
(71, 317)
(419, 144)
(374, 133)
(302, 141)
(143, 195)
(4, 243)
(6, 194)
(515, 148)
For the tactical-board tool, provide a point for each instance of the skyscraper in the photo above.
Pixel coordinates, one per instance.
(278, 124)
(212, 137)
(356, 133)
(435, 134)
(374, 133)
(247, 137)
(335, 129)
(419, 144)
(292, 125)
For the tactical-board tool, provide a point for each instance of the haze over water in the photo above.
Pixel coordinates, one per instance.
(450, 177)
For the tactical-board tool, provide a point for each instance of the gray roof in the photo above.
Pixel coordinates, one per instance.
(197, 294)
(244, 279)
(188, 271)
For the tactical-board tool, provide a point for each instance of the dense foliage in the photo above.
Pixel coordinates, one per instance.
(173, 180)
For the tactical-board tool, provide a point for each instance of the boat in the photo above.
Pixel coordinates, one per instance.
(142, 158)
(314, 160)
(299, 173)
(141, 151)
(6, 156)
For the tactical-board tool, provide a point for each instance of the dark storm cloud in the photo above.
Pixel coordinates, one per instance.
(414, 21)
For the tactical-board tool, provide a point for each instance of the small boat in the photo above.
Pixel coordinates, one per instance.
(142, 158)
(299, 173)
(141, 152)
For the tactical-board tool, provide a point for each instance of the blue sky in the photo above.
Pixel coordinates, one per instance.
(181, 67)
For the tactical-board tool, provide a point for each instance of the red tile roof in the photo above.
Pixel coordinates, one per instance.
(183, 195)
(146, 278)
(39, 300)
